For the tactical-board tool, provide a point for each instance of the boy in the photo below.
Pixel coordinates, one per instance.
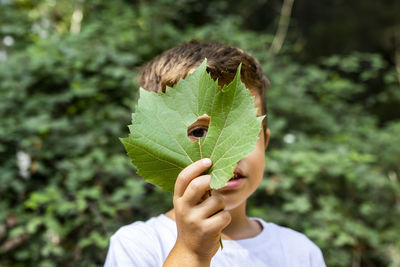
(188, 235)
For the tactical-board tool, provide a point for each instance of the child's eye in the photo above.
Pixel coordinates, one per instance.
(198, 132)
(199, 128)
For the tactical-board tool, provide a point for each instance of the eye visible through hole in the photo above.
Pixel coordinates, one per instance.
(199, 128)
(198, 132)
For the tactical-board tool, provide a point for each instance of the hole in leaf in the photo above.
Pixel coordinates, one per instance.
(199, 128)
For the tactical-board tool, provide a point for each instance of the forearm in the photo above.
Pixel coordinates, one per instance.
(179, 256)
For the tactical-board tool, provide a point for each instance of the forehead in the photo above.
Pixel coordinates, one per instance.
(257, 99)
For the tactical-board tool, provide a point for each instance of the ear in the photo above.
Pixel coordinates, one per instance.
(267, 134)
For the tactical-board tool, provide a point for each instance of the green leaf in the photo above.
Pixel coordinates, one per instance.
(159, 146)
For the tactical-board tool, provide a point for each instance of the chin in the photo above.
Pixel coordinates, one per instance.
(232, 204)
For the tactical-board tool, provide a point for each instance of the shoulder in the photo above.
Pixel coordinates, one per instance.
(296, 246)
(293, 239)
(141, 243)
(148, 229)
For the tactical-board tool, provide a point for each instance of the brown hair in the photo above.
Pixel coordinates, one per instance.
(222, 62)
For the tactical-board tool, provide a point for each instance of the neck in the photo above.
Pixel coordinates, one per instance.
(241, 226)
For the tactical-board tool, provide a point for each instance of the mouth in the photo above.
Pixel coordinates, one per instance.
(235, 182)
(237, 175)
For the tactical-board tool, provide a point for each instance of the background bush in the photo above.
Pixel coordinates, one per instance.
(67, 91)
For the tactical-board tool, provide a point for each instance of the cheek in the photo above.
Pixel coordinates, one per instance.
(257, 159)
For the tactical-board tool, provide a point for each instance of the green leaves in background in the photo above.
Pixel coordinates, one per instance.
(332, 165)
(159, 145)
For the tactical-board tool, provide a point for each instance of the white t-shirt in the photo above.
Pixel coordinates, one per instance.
(149, 243)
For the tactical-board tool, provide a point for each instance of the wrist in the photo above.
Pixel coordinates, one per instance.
(181, 255)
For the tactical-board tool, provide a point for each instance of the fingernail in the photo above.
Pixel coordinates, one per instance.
(206, 161)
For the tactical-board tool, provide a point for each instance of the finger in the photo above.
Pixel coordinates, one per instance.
(188, 174)
(219, 221)
(196, 190)
(211, 206)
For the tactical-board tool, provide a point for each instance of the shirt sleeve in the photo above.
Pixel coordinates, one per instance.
(133, 246)
(299, 250)
(316, 258)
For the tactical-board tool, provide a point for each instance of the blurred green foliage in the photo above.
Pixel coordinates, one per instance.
(67, 94)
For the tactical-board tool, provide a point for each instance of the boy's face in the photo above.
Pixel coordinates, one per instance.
(249, 171)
